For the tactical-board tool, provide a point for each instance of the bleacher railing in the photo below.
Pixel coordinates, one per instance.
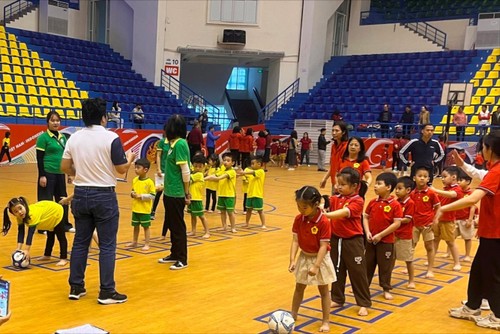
(428, 31)
(190, 98)
(279, 100)
(17, 7)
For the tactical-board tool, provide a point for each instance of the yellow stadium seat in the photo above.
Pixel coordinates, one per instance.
(479, 75)
(7, 78)
(51, 82)
(3, 43)
(18, 79)
(54, 92)
(24, 112)
(3, 35)
(495, 92)
(64, 93)
(58, 75)
(2, 29)
(41, 81)
(487, 83)
(38, 112)
(9, 88)
(45, 102)
(74, 94)
(21, 89)
(489, 100)
(22, 46)
(497, 67)
(43, 91)
(469, 110)
(36, 62)
(5, 59)
(34, 101)
(84, 94)
(38, 72)
(61, 83)
(481, 92)
(13, 44)
(21, 99)
(77, 104)
(32, 90)
(9, 99)
(56, 102)
(71, 84)
(4, 51)
(27, 62)
(34, 55)
(67, 103)
(48, 73)
(46, 64)
(11, 110)
(16, 69)
(30, 81)
(491, 59)
(15, 61)
(6, 68)
(11, 37)
(14, 53)
(475, 100)
(486, 67)
(493, 75)
(495, 52)
(25, 54)
(28, 71)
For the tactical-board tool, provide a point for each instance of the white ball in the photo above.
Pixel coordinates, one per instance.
(19, 259)
(281, 322)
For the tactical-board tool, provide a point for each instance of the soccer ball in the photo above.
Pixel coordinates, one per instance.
(281, 322)
(19, 259)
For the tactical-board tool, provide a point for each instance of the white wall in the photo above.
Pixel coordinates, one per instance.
(380, 38)
(120, 28)
(315, 40)
(78, 21)
(211, 84)
(27, 22)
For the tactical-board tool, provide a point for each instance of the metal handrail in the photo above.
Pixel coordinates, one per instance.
(189, 97)
(279, 100)
(16, 7)
(429, 31)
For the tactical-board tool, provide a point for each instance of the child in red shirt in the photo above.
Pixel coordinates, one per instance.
(346, 210)
(274, 150)
(426, 204)
(445, 228)
(404, 234)
(282, 152)
(465, 217)
(313, 265)
(382, 217)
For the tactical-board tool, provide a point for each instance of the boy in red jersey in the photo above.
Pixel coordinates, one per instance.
(404, 234)
(465, 217)
(445, 228)
(382, 217)
(426, 204)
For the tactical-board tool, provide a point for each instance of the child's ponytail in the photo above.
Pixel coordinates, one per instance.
(6, 221)
(363, 188)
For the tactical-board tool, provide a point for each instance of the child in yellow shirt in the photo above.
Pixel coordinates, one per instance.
(196, 188)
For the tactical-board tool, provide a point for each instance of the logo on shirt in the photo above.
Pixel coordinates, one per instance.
(314, 230)
(356, 165)
(425, 199)
(358, 259)
(388, 255)
(387, 208)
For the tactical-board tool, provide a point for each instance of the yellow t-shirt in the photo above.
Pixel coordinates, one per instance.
(45, 215)
(6, 142)
(256, 184)
(246, 179)
(196, 186)
(142, 187)
(227, 186)
(212, 185)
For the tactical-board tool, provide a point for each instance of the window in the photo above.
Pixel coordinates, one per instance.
(218, 117)
(233, 11)
(238, 79)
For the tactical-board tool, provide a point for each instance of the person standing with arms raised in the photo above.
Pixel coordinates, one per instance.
(92, 155)
(340, 136)
(426, 152)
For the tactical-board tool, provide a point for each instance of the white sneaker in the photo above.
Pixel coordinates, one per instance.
(464, 312)
(489, 322)
(485, 306)
(291, 168)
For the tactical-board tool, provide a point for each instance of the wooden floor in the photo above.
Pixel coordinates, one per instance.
(234, 281)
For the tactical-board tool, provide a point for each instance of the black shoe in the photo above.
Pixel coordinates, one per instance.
(178, 266)
(321, 170)
(167, 259)
(76, 292)
(107, 298)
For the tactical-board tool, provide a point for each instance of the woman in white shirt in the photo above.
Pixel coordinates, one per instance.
(484, 120)
(114, 115)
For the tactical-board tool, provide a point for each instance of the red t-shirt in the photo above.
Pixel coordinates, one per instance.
(490, 205)
(351, 226)
(311, 232)
(361, 167)
(450, 216)
(397, 144)
(283, 148)
(305, 143)
(337, 152)
(382, 213)
(426, 201)
(405, 231)
(464, 213)
(260, 142)
(274, 148)
(234, 141)
(246, 144)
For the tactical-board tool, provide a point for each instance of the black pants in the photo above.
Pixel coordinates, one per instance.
(351, 255)
(210, 194)
(245, 160)
(211, 150)
(174, 210)
(484, 279)
(236, 157)
(395, 160)
(193, 148)
(381, 254)
(61, 237)
(304, 153)
(460, 133)
(384, 130)
(156, 201)
(54, 191)
(5, 150)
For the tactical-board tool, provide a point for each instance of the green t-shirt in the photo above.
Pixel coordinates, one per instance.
(53, 148)
(176, 154)
(161, 147)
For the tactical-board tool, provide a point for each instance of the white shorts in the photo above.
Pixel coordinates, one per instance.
(467, 233)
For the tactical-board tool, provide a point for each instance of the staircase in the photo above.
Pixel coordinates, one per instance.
(428, 32)
(17, 9)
